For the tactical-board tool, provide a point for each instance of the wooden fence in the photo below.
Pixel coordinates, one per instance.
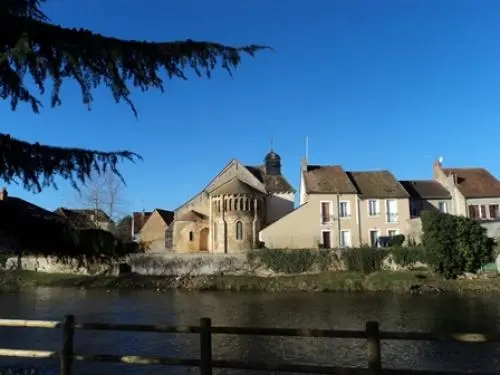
(205, 331)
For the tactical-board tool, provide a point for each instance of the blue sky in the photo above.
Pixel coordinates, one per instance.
(387, 84)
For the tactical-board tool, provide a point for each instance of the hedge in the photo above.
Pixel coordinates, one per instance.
(455, 244)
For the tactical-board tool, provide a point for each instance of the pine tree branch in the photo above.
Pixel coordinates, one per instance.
(30, 46)
(44, 50)
(35, 166)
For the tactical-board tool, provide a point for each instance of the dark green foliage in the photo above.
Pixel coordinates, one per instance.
(292, 261)
(32, 230)
(408, 256)
(99, 243)
(455, 244)
(364, 259)
(397, 240)
(33, 48)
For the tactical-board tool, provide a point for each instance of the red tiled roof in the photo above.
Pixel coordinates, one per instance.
(475, 182)
(377, 184)
(327, 179)
(140, 219)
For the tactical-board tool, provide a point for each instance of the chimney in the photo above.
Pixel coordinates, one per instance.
(436, 168)
(454, 178)
(4, 194)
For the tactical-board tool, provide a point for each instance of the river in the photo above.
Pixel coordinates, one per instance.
(307, 310)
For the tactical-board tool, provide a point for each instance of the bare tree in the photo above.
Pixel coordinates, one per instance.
(105, 192)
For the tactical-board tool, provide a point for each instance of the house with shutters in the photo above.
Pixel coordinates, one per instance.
(339, 208)
(475, 192)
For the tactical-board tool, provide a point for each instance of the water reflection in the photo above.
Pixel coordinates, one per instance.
(301, 310)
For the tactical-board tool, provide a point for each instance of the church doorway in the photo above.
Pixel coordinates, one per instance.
(204, 239)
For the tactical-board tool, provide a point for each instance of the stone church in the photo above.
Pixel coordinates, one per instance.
(227, 215)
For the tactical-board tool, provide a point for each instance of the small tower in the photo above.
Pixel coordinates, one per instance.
(272, 163)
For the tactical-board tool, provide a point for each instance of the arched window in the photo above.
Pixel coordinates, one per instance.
(239, 230)
(191, 236)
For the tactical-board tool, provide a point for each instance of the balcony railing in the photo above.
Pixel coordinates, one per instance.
(392, 218)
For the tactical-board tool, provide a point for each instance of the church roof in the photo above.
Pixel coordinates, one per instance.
(272, 183)
(235, 186)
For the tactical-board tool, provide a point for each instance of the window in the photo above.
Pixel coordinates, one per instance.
(477, 211)
(191, 236)
(345, 209)
(494, 211)
(239, 230)
(345, 238)
(325, 212)
(473, 212)
(373, 207)
(392, 211)
(392, 232)
(442, 207)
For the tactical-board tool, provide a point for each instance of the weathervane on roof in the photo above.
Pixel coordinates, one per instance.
(272, 143)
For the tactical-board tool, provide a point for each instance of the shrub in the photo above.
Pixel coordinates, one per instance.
(98, 243)
(364, 259)
(408, 256)
(397, 240)
(454, 244)
(293, 261)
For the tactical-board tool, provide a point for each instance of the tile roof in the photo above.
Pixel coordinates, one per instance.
(28, 208)
(273, 183)
(82, 216)
(327, 179)
(377, 184)
(475, 182)
(167, 216)
(425, 189)
(139, 218)
(235, 186)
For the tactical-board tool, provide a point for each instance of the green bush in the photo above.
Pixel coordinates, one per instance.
(98, 243)
(293, 261)
(364, 259)
(407, 256)
(455, 244)
(397, 240)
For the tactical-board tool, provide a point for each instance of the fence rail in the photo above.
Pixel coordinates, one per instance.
(206, 363)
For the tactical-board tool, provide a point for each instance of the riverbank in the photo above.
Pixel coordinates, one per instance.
(382, 281)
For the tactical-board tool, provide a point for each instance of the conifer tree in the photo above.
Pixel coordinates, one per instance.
(32, 47)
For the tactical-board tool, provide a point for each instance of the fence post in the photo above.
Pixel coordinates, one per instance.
(67, 344)
(206, 346)
(374, 355)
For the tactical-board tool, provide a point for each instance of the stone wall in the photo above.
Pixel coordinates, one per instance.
(176, 265)
(189, 264)
(57, 265)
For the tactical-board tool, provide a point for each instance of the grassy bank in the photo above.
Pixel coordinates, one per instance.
(398, 282)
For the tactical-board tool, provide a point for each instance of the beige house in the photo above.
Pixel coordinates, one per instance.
(227, 215)
(154, 229)
(475, 192)
(341, 209)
